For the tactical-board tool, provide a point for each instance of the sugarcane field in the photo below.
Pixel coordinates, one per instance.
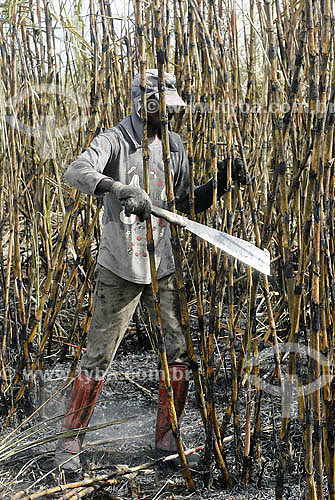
(167, 249)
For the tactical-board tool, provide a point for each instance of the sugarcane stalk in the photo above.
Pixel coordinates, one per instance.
(169, 193)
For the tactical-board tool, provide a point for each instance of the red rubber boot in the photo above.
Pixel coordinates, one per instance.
(84, 395)
(165, 442)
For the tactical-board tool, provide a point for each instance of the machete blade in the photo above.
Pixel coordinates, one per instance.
(236, 247)
(240, 249)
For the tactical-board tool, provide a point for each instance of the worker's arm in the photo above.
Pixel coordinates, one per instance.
(203, 195)
(87, 170)
(88, 174)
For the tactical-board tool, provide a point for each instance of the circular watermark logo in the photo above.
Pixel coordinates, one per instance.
(291, 385)
(152, 106)
(49, 100)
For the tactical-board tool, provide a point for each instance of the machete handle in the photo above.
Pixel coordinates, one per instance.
(171, 217)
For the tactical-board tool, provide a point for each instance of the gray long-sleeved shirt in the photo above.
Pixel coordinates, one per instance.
(117, 153)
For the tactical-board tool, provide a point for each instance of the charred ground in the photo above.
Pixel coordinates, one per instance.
(129, 397)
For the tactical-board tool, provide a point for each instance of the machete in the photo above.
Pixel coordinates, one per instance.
(240, 249)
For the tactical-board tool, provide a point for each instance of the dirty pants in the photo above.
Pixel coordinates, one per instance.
(115, 301)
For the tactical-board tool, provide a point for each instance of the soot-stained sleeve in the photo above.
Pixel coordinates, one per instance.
(203, 195)
(86, 171)
(181, 176)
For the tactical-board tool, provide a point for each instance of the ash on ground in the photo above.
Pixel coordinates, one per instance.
(128, 402)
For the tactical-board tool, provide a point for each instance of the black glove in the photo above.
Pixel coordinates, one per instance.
(203, 195)
(239, 174)
(134, 199)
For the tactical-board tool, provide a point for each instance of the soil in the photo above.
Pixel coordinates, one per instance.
(129, 394)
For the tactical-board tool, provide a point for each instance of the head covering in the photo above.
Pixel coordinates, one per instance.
(172, 98)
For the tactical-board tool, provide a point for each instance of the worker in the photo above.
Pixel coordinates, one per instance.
(112, 167)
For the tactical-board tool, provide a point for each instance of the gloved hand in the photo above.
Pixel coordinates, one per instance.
(239, 174)
(134, 199)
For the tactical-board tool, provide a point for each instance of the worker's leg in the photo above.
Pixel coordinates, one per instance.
(176, 349)
(114, 304)
(115, 301)
(176, 346)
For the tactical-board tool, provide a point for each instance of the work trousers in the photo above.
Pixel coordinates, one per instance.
(115, 301)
